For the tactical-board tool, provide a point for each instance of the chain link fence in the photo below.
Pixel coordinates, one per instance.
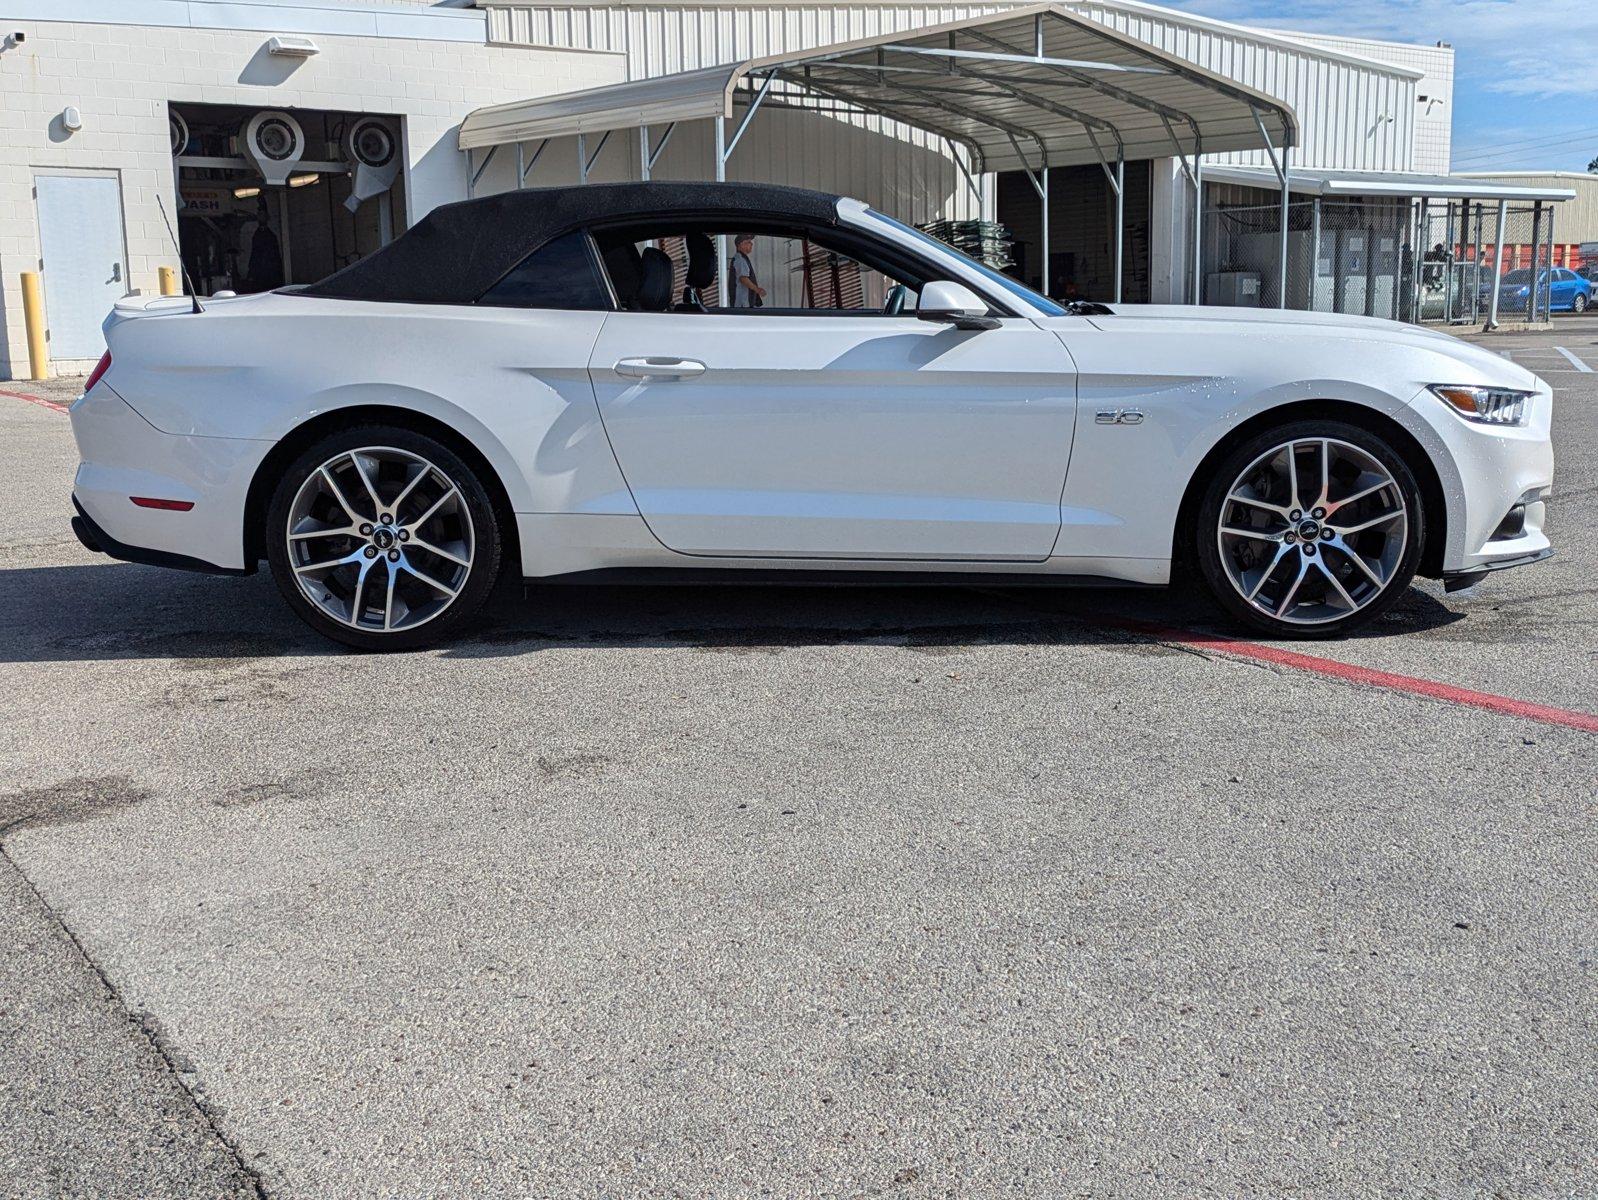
(1406, 260)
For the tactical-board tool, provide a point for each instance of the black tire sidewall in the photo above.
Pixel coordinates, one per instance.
(488, 549)
(1207, 551)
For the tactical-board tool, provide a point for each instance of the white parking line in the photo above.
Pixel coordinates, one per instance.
(1574, 361)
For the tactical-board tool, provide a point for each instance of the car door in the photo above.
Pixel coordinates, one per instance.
(1564, 288)
(838, 436)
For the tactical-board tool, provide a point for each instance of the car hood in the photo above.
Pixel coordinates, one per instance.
(1327, 329)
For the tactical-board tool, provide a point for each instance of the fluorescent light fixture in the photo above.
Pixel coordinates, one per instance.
(292, 47)
(246, 193)
(304, 180)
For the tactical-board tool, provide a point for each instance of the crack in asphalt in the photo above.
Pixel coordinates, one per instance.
(57, 808)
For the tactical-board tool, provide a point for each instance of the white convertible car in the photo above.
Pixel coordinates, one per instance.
(545, 382)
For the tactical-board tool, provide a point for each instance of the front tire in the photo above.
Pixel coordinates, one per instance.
(1579, 305)
(383, 538)
(1310, 530)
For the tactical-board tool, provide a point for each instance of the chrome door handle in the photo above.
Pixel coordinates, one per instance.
(660, 368)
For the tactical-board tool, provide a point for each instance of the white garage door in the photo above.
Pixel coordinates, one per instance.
(85, 264)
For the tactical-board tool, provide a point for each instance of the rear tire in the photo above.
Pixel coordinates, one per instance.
(1310, 530)
(383, 538)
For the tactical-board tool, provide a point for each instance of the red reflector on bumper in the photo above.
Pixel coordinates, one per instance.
(156, 502)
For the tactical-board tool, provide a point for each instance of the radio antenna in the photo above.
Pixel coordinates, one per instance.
(194, 295)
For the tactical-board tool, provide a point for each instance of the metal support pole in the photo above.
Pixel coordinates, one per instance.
(582, 159)
(1548, 305)
(643, 153)
(1045, 174)
(1536, 253)
(531, 163)
(594, 157)
(1198, 224)
(1314, 251)
(1120, 225)
(521, 165)
(1449, 263)
(1287, 197)
(721, 238)
(1422, 232)
(1498, 264)
(970, 179)
(749, 113)
(471, 179)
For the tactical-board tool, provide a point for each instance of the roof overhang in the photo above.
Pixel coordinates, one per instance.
(1385, 183)
(1019, 88)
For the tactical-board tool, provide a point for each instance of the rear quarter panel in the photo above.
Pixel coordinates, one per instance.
(513, 382)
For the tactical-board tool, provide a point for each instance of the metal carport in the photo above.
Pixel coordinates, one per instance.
(1027, 89)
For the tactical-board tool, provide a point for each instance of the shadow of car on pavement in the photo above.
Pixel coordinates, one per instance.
(107, 612)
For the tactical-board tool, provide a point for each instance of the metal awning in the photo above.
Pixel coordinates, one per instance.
(1015, 87)
(1027, 90)
(1386, 183)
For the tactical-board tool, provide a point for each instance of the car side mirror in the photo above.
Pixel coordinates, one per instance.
(954, 304)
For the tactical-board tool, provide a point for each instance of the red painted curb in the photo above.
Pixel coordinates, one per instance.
(1368, 677)
(39, 400)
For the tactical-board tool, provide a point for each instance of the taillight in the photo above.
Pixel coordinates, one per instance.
(100, 369)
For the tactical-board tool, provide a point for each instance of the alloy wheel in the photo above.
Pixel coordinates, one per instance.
(1313, 530)
(380, 539)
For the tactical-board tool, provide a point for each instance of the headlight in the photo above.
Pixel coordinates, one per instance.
(1489, 406)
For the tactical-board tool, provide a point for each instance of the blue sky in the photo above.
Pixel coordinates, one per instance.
(1526, 84)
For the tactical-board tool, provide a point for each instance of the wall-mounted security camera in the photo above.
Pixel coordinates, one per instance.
(13, 39)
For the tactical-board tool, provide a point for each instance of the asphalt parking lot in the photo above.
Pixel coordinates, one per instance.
(723, 892)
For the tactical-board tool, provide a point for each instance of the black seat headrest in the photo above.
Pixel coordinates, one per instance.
(623, 266)
(654, 288)
(701, 260)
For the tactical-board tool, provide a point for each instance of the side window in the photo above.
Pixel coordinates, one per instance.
(674, 268)
(559, 274)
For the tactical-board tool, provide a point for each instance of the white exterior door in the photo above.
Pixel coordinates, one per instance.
(862, 437)
(84, 256)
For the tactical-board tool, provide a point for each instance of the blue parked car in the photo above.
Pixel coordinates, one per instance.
(1565, 290)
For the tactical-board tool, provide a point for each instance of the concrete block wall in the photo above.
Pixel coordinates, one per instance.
(122, 77)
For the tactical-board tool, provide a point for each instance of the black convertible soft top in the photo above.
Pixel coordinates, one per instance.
(458, 251)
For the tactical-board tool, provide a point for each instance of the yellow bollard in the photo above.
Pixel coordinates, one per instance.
(33, 318)
(169, 281)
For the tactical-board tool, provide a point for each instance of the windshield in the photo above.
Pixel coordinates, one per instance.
(1017, 289)
(1518, 277)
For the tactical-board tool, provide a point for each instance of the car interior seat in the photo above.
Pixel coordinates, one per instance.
(623, 265)
(654, 288)
(701, 270)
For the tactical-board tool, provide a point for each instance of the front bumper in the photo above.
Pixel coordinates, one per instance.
(1457, 581)
(1487, 473)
